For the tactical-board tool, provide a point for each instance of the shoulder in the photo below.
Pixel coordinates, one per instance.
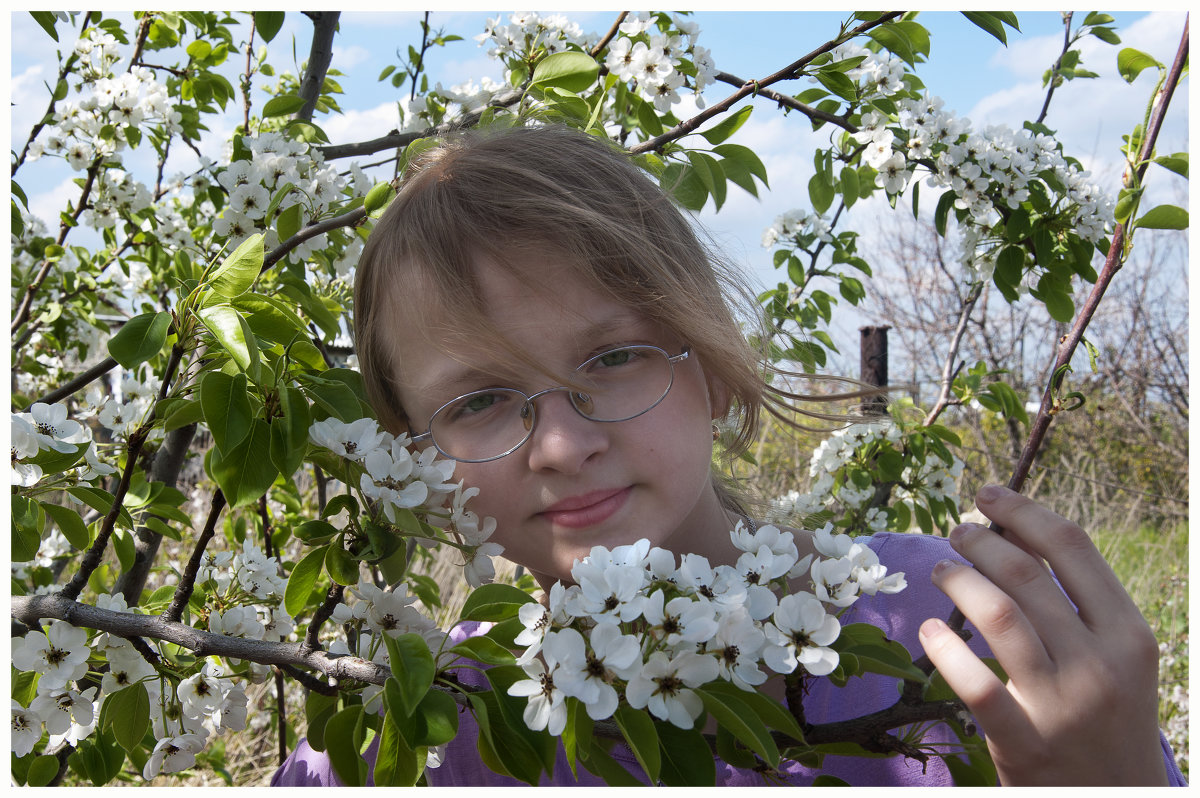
(910, 550)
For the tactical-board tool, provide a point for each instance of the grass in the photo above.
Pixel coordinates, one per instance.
(1152, 563)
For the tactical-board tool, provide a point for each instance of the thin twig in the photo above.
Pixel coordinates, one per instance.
(187, 580)
(1057, 64)
(608, 37)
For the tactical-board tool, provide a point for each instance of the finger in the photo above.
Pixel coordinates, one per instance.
(1076, 562)
(989, 700)
(998, 617)
(1024, 578)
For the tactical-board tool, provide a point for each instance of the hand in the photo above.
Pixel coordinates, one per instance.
(1081, 702)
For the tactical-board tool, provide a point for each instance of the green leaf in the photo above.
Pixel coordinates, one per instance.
(820, 193)
(243, 473)
(28, 521)
(600, 763)
(341, 565)
(1176, 162)
(46, 19)
(42, 770)
(744, 157)
(838, 84)
(485, 650)
(437, 716)
(989, 22)
(494, 602)
(287, 224)
(140, 338)
(238, 272)
(571, 70)
(876, 653)
(733, 714)
(687, 761)
(302, 580)
(233, 334)
(1106, 35)
(893, 38)
(180, 413)
(638, 729)
(1131, 62)
(70, 524)
(1164, 217)
(396, 764)
(101, 501)
(412, 668)
(289, 431)
(284, 105)
(727, 126)
(318, 709)
(227, 411)
(268, 23)
(343, 735)
(129, 713)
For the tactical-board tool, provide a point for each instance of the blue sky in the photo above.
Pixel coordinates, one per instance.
(976, 75)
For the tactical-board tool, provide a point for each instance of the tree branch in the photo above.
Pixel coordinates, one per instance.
(187, 580)
(948, 369)
(80, 382)
(753, 87)
(319, 56)
(1058, 63)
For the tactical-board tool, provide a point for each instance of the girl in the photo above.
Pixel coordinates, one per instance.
(516, 264)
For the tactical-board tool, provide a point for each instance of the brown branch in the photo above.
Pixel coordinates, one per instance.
(23, 310)
(787, 101)
(787, 73)
(323, 613)
(320, 54)
(30, 609)
(81, 381)
(187, 580)
(246, 102)
(1058, 63)
(948, 369)
(95, 553)
(608, 37)
(395, 139)
(348, 219)
(1112, 264)
(62, 74)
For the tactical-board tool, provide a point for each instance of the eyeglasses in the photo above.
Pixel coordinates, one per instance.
(616, 385)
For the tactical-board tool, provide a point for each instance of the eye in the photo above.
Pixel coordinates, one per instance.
(473, 406)
(615, 358)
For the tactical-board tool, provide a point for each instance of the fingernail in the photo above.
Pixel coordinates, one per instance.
(989, 493)
(943, 566)
(933, 627)
(958, 533)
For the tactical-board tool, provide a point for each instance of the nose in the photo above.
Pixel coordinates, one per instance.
(562, 439)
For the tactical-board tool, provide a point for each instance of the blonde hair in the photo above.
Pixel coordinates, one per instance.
(499, 192)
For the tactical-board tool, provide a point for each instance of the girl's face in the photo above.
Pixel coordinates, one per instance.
(575, 483)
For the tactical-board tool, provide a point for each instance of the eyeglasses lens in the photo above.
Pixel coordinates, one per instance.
(620, 384)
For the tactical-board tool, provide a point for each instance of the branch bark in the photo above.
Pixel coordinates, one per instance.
(320, 55)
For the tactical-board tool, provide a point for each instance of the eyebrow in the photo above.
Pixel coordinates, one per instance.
(455, 381)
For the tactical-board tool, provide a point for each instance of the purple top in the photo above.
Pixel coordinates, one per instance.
(898, 615)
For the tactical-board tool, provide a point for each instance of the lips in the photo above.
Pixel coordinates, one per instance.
(587, 509)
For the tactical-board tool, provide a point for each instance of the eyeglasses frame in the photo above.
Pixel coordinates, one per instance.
(529, 402)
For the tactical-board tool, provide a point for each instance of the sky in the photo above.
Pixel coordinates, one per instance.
(976, 75)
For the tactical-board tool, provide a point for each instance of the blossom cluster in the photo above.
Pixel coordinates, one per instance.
(99, 123)
(393, 478)
(831, 490)
(182, 717)
(656, 58)
(636, 622)
(985, 170)
(276, 162)
(46, 427)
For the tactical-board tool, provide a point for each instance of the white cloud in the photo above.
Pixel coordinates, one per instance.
(347, 57)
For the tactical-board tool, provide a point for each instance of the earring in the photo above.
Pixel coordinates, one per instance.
(716, 431)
